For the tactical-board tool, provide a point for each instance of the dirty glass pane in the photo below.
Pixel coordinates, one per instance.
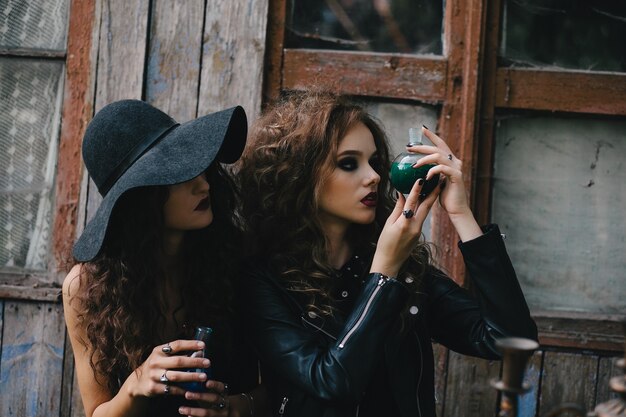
(34, 24)
(30, 106)
(571, 34)
(404, 26)
(560, 196)
(396, 120)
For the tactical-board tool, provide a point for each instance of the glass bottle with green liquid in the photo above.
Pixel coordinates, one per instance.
(403, 175)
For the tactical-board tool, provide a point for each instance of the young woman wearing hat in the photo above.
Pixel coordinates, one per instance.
(157, 259)
(342, 300)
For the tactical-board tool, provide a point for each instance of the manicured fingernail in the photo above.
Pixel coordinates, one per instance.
(200, 345)
(420, 181)
(206, 363)
(202, 377)
(181, 410)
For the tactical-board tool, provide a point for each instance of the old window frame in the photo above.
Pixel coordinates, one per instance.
(471, 86)
(509, 88)
(76, 112)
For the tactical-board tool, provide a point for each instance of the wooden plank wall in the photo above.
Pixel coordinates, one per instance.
(186, 57)
(556, 377)
(32, 358)
(189, 58)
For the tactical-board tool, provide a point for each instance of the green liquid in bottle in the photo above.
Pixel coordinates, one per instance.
(403, 176)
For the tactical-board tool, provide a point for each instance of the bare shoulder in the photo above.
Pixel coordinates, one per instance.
(72, 281)
(72, 306)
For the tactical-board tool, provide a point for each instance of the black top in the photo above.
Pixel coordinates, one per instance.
(348, 283)
(364, 358)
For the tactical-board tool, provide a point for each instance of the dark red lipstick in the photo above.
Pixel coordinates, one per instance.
(370, 200)
(204, 204)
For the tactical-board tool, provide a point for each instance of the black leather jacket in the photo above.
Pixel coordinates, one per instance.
(319, 366)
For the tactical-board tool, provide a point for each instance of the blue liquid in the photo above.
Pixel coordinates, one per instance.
(204, 334)
(197, 386)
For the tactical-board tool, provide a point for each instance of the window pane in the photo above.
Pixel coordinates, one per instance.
(34, 24)
(578, 34)
(30, 104)
(560, 196)
(405, 26)
(396, 120)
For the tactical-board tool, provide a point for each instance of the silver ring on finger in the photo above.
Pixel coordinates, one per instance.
(164, 377)
(450, 156)
(167, 349)
(219, 405)
(408, 213)
(166, 390)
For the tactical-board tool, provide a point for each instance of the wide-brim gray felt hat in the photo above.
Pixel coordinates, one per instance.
(131, 144)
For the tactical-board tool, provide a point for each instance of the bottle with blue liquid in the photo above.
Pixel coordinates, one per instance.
(204, 334)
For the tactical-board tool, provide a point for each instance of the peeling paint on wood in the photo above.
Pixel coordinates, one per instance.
(440, 354)
(122, 50)
(606, 370)
(464, 27)
(232, 55)
(366, 74)
(528, 401)
(568, 378)
(32, 357)
(77, 111)
(272, 77)
(468, 392)
(173, 71)
(570, 91)
(580, 330)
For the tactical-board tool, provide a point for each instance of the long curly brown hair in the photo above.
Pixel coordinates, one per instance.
(292, 150)
(122, 287)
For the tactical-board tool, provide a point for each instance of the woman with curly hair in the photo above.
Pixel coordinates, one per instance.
(341, 298)
(159, 258)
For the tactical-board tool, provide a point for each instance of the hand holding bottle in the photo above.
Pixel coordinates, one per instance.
(453, 197)
(203, 334)
(402, 230)
(165, 368)
(405, 171)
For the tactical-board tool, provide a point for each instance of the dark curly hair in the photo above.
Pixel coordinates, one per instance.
(292, 151)
(121, 288)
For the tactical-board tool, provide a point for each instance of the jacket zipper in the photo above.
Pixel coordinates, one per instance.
(419, 380)
(319, 328)
(281, 410)
(381, 282)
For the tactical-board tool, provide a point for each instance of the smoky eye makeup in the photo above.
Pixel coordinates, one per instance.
(347, 163)
(375, 163)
